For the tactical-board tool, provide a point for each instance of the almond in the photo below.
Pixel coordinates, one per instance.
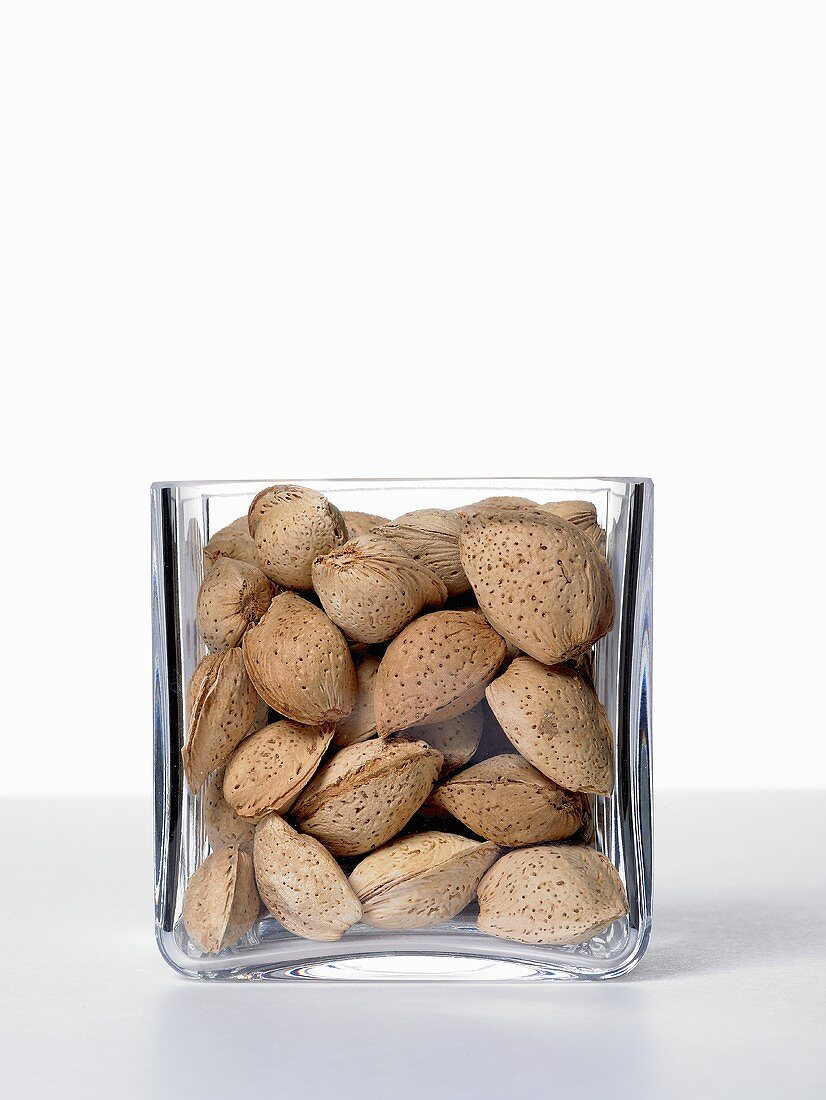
(507, 801)
(540, 582)
(221, 902)
(431, 536)
(222, 824)
(554, 895)
(553, 717)
(233, 541)
(583, 515)
(437, 668)
(291, 526)
(222, 708)
(366, 793)
(457, 739)
(371, 588)
(508, 504)
(301, 884)
(418, 881)
(360, 723)
(299, 662)
(234, 595)
(361, 523)
(268, 770)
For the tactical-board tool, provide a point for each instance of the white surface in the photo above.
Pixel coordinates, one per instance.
(442, 238)
(728, 1002)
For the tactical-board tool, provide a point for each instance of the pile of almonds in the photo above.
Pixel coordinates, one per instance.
(356, 670)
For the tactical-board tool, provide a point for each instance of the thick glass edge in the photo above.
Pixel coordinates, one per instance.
(168, 711)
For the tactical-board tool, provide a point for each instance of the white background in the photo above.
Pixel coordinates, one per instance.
(392, 239)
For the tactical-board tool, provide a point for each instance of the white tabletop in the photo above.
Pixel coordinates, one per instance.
(728, 1002)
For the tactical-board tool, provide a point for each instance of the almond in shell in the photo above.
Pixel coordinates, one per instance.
(233, 541)
(457, 739)
(301, 884)
(583, 515)
(362, 523)
(422, 880)
(268, 770)
(367, 793)
(431, 536)
(221, 902)
(222, 707)
(437, 668)
(360, 723)
(540, 581)
(371, 588)
(552, 895)
(299, 662)
(222, 824)
(291, 526)
(555, 720)
(507, 801)
(234, 595)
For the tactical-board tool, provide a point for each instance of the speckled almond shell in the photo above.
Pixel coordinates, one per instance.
(233, 541)
(371, 588)
(431, 536)
(362, 523)
(222, 824)
(234, 595)
(506, 800)
(268, 770)
(555, 895)
(291, 526)
(583, 515)
(221, 901)
(508, 504)
(301, 884)
(222, 707)
(367, 793)
(457, 739)
(553, 717)
(437, 668)
(540, 581)
(422, 880)
(299, 662)
(360, 723)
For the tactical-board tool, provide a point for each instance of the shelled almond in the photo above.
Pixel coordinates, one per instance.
(395, 715)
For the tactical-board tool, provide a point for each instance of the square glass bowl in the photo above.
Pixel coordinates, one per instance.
(184, 516)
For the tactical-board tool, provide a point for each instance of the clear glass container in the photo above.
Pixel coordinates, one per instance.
(184, 516)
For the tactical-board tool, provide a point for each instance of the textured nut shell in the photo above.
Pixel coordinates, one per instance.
(268, 770)
(233, 541)
(583, 515)
(437, 668)
(556, 895)
(361, 523)
(457, 739)
(431, 536)
(366, 794)
(299, 662)
(553, 717)
(360, 723)
(234, 595)
(301, 884)
(509, 504)
(291, 526)
(539, 581)
(507, 801)
(221, 902)
(222, 706)
(418, 881)
(371, 588)
(223, 825)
